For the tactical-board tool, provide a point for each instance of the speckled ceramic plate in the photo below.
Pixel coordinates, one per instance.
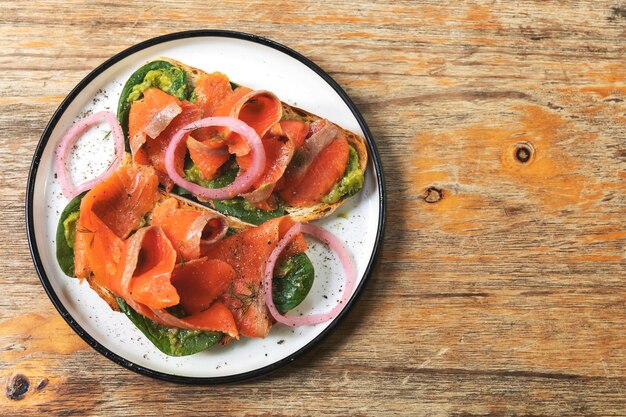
(252, 61)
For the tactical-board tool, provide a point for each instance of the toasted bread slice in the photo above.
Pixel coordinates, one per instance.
(319, 210)
(184, 203)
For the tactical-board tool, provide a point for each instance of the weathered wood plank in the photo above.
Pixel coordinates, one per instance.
(500, 288)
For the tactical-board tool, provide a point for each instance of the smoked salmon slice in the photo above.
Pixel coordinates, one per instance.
(187, 229)
(280, 143)
(155, 148)
(207, 158)
(317, 166)
(153, 264)
(149, 117)
(108, 214)
(247, 252)
(145, 283)
(211, 89)
(278, 153)
(200, 282)
(215, 96)
(217, 317)
(295, 130)
(258, 109)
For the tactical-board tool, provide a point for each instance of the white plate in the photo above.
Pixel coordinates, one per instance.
(257, 63)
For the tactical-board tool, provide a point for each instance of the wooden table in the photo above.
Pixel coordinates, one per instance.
(501, 287)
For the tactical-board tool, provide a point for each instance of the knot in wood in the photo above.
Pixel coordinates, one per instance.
(433, 195)
(17, 387)
(523, 152)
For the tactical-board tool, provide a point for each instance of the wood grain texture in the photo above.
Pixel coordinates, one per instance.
(501, 286)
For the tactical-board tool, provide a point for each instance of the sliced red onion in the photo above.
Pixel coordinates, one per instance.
(65, 146)
(244, 180)
(344, 257)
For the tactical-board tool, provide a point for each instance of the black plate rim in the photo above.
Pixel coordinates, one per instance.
(375, 158)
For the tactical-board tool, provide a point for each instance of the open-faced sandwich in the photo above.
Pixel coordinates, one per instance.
(187, 276)
(252, 157)
(195, 230)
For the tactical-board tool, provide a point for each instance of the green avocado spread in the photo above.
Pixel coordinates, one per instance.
(351, 182)
(163, 79)
(193, 174)
(69, 228)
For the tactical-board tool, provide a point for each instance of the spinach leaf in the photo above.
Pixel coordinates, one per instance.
(293, 282)
(240, 208)
(65, 252)
(171, 341)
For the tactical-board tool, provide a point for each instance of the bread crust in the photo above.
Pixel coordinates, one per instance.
(319, 210)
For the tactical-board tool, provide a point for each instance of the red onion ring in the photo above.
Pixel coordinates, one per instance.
(344, 257)
(243, 182)
(65, 145)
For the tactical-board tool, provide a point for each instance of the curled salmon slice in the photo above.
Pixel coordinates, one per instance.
(280, 143)
(324, 134)
(145, 283)
(215, 96)
(149, 117)
(207, 158)
(188, 230)
(295, 130)
(152, 150)
(316, 167)
(323, 173)
(258, 109)
(278, 153)
(200, 282)
(145, 276)
(215, 318)
(109, 212)
(211, 90)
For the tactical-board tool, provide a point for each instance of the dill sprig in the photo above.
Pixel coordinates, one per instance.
(245, 299)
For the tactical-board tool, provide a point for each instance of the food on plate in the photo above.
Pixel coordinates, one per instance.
(187, 276)
(187, 125)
